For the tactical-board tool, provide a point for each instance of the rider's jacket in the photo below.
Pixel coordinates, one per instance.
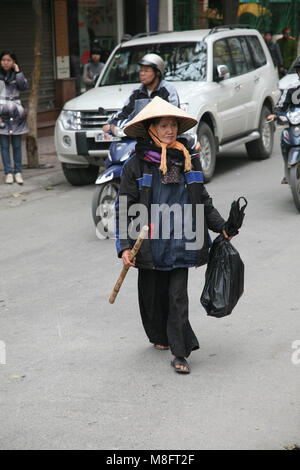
(290, 97)
(140, 97)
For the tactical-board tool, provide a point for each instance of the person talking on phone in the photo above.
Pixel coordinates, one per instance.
(12, 115)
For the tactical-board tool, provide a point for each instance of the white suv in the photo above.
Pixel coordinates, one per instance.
(225, 78)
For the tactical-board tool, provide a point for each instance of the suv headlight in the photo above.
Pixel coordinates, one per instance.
(70, 120)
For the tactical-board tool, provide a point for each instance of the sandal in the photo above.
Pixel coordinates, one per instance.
(180, 361)
(160, 347)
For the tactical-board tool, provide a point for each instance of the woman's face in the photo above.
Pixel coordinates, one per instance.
(7, 62)
(96, 58)
(167, 129)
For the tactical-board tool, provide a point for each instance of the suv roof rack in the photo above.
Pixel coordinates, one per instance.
(216, 29)
(152, 33)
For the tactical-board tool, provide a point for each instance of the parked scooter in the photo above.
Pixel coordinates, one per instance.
(108, 184)
(290, 148)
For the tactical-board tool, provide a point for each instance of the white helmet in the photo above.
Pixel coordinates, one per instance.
(154, 61)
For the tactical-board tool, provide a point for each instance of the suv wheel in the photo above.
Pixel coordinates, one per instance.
(207, 150)
(80, 176)
(262, 148)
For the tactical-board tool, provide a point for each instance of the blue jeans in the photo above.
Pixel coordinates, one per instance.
(16, 141)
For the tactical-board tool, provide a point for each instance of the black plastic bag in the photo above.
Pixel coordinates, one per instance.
(224, 279)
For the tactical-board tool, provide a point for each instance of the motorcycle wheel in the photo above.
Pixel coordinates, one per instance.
(103, 208)
(295, 184)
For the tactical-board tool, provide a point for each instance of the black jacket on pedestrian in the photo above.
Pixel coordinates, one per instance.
(136, 184)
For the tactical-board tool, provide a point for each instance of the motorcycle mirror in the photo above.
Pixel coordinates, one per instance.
(119, 132)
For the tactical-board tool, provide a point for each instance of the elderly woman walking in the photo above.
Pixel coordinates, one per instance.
(162, 173)
(12, 115)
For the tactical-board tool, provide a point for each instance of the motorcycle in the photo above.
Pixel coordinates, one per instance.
(290, 148)
(108, 183)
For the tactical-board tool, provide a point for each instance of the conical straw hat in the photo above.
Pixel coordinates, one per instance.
(158, 108)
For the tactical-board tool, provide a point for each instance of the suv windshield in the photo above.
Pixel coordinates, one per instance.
(183, 61)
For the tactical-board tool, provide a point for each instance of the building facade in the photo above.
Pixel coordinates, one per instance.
(72, 27)
(17, 34)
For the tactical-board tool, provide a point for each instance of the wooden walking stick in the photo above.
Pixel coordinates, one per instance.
(124, 271)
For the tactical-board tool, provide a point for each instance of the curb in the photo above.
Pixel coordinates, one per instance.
(33, 184)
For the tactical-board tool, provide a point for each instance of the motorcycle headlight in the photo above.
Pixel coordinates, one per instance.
(294, 117)
(127, 155)
(70, 120)
(296, 131)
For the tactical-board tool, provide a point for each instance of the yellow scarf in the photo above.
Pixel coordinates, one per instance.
(175, 145)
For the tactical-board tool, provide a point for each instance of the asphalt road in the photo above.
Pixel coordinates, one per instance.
(79, 373)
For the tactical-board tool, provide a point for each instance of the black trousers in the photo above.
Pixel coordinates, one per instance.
(163, 302)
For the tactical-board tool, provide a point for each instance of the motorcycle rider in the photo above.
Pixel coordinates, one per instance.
(289, 98)
(151, 73)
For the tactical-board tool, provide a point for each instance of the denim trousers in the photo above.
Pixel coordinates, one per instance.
(16, 141)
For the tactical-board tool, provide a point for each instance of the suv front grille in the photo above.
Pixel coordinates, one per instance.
(89, 120)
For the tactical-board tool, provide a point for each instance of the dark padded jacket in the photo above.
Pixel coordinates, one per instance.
(11, 110)
(136, 184)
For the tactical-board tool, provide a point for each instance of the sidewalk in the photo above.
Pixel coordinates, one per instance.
(49, 173)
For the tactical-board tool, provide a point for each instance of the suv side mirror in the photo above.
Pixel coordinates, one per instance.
(222, 72)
